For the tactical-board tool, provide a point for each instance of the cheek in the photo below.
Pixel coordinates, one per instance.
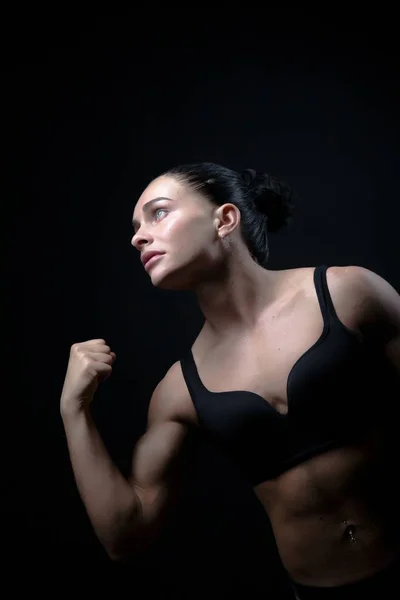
(174, 228)
(194, 231)
(190, 240)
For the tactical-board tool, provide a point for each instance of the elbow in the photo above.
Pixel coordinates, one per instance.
(118, 555)
(129, 542)
(123, 541)
(125, 550)
(124, 556)
(115, 557)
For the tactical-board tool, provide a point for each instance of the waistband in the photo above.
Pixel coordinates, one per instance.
(383, 582)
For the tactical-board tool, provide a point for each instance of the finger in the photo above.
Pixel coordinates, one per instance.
(100, 356)
(99, 348)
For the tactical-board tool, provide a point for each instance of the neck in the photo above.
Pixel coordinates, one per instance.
(236, 299)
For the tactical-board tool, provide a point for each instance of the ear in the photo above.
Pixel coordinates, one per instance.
(226, 219)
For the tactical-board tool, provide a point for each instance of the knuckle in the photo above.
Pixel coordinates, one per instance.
(81, 352)
(87, 361)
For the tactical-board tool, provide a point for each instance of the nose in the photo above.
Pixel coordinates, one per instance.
(137, 240)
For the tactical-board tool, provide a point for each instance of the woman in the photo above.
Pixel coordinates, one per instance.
(294, 374)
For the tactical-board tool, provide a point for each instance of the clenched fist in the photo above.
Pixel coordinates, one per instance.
(89, 364)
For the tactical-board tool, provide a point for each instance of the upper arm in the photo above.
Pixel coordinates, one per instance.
(378, 306)
(159, 455)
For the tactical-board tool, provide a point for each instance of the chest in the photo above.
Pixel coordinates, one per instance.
(261, 361)
(299, 383)
(294, 373)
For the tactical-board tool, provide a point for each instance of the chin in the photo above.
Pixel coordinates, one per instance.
(185, 278)
(165, 279)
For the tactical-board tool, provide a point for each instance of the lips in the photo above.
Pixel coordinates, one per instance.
(148, 255)
(149, 262)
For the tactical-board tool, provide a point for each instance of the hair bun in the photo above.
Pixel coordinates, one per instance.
(248, 176)
(273, 198)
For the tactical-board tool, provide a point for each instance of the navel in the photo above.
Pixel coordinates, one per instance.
(350, 533)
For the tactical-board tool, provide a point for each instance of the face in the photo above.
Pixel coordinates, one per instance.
(183, 225)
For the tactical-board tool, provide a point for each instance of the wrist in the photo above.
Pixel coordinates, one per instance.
(73, 408)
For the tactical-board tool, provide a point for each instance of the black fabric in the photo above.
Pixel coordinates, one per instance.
(381, 586)
(333, 393)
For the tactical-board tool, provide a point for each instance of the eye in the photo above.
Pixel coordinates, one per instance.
(157, 210)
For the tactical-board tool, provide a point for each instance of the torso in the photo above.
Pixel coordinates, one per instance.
(311, 506)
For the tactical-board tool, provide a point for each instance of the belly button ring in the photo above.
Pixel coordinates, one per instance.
(350, 533)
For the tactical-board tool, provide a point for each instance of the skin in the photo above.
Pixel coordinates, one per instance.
(330, 525)
(211, 263)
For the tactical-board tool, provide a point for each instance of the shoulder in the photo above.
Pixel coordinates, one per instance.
(363, 300)
(170, 399)
(374, 302)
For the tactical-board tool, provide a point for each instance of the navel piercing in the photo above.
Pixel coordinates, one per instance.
(350, 533)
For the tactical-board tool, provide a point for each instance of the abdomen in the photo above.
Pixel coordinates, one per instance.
(334, 516)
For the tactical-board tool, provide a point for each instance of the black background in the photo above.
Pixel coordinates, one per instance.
(96, 105)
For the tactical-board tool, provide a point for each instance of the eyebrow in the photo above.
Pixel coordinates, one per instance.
(146, 207)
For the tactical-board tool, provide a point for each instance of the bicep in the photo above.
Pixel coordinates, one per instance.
(156, 475)
(160, 454)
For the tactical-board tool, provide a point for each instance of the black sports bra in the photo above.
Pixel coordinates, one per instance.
(332, 393)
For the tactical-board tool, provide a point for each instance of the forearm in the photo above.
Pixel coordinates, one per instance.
(110, 501)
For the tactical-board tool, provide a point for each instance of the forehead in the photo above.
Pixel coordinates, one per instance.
(168, 188)
(162, 187)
